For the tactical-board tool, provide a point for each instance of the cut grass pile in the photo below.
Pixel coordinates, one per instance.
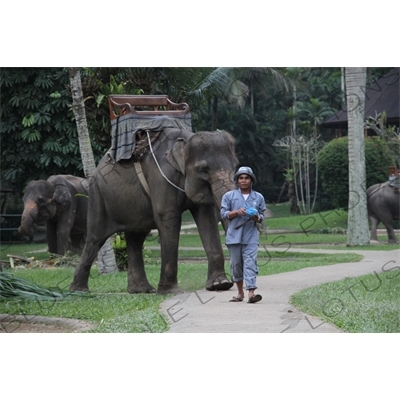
(14, 288)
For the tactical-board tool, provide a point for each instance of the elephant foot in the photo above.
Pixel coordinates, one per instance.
(219, 283)
(141, 289)
(76, 287)
(169, 289)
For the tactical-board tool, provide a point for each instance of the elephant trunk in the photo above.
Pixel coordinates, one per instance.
(28, 219)
(220, 186)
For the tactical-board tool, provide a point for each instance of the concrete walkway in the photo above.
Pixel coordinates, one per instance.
(211, 312)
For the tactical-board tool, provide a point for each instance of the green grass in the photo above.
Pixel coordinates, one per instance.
(282, 219)
(25, 250)
(365, 304)
(111, 309)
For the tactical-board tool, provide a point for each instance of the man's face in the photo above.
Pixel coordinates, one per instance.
(244, 181)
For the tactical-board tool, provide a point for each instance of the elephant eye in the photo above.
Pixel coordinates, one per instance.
(41, 201)
(202, 167)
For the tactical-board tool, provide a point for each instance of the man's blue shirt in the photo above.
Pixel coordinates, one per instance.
(234, 200)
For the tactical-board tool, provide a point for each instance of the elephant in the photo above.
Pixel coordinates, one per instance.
(183, 171)
(61, 202)
(383, 202)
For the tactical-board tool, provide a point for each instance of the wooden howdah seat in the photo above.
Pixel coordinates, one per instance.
(393, 171)
(132, 115)
(145, 105)
(394, 178)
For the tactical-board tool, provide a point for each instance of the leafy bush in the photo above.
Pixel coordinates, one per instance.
(333, 165)
(121, 256)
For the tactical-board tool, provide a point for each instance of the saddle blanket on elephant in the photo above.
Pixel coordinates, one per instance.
(395, 182)
(125, 128)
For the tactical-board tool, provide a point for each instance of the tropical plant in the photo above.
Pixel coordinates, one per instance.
(333, 164)
(239, 86)
(303, 155)
(36, 124)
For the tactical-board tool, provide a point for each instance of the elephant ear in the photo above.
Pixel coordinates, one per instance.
(176, 157)
(61, 197)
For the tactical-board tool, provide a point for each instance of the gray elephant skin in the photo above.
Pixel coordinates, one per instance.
(383, 201)
(61, 202)
(184, 171)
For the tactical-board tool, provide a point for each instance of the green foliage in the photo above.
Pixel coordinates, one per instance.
(121, 256)
(119, 246)
(38, 131)
(333, 165)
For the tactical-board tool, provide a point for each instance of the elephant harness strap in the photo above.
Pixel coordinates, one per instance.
(139, 171)
(140, 150)
(142, 145)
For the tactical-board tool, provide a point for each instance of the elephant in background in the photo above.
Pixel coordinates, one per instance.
(383, 201)
(182, 171)
(61, 202)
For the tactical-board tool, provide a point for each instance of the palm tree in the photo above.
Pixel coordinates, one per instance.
(236, 84)
(357, 224)
(106, 256)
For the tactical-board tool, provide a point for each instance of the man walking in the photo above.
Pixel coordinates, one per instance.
(243, 207)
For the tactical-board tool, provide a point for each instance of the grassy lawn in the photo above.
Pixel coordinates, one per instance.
(365, 304)
(111, 309)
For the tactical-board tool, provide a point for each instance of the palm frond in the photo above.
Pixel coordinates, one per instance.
(13, 288)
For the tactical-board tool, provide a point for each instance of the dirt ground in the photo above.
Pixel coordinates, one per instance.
(34, 324)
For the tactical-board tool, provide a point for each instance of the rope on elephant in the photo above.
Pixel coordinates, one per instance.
(124, 131)
(142, 143)
(158, 165)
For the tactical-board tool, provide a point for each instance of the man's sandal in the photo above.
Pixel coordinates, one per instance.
(255, 298)
(235, 299)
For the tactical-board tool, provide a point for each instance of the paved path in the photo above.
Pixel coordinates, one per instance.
(211, 312)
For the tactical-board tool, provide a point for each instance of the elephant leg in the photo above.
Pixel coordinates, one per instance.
(89, 254)
(387, 219)
(64, 226)
(207, 223)
(75, 245)
(374, 225)
(169, 231)
(137, 279)
(51, 235)
(62, 242)
(390, 231)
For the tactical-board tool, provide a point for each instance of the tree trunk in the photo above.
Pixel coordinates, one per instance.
(106, 256)
(294, 208)
(357, 224)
